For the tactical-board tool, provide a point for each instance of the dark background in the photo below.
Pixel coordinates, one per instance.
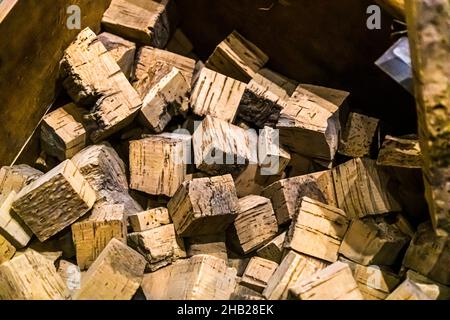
(323, 42)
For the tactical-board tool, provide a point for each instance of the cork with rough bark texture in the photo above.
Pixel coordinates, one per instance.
(310, 125)
(153, 64)
(317, 230)
(358, 135)
(204, 206)
(293, 269)
(286, 194)
(91, 235)
(149, 219)
(14, 178)
(373, 240)
(31, 276)
(403, 152)
(64, 132)
(93, 79)
(115, 275)
(122, 51)
(259, 105)
(7, 250)
(142, 21)
(55, 200)
(273, 250)
(258, 273)
(102, 167)
(158, 163)
(167, 98)
(216, 95)
(429, 254)
(202, 277)
(160, 246)
(237, 57)
(11, 226)
(336, 282)
(362, 188)
(254, 225)
(429, 35)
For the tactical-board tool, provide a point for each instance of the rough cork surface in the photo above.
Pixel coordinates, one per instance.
(55, 200)
(237, 58)
(429, 37)
(93, 79)
(204, 206)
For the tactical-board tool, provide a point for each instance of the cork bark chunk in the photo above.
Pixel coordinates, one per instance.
(123, 51)
(152, 64)
(254, 225)
(93, 79)
(428, 35)
(216, 95)
(31, 276)
(91, 235)
(374, 282)
(259, 105)
(358, 135)
(7, 250)
(167, 98)
(408, 290)
(286, 194)
(293, 269)
(55, 200)
(335, 96)
(237, 58)
(102, 167)
(14, 178)
(213, 245)
(64, 132)
(429, 254)
(336, 282)
(158, 163)
(310, 125)
(149, 219)
(317, 230)
(202, 277)
(431, 288)
(276, 83)
(11, 226)
(401, 152)
(373, 241)
(115, 275)
(273, 250)
(362, 188)
(160, 246)
(258, 273)
(204, 206)
(142, 21)
(221, 148)
(155, 284)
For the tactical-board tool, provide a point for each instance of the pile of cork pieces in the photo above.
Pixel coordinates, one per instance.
(170, 178)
